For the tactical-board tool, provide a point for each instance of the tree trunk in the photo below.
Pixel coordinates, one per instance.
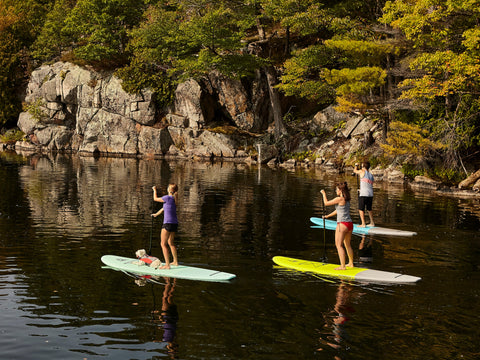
(261, 48)
(280, 128)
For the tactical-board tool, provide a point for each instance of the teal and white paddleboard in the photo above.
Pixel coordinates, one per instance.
(369, 230)
(179, 272)
(361, 274)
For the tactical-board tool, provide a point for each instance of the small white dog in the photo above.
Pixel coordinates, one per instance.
(145, 259)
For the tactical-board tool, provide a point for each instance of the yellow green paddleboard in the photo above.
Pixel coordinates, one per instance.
(361, 274)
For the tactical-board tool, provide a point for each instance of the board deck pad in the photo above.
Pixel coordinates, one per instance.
(179, 272)
(357, 229)
(361, 274)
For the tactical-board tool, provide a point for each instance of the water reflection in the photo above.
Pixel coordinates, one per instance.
(334, 335)
(168, 318)
(60, 214)
(165, 319)
(365, 250)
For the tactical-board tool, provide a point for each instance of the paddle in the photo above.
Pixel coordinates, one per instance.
(151, 226)
(357, 176)
(324, 258)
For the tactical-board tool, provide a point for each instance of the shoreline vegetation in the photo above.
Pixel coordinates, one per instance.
(309, 83)
(391, 176)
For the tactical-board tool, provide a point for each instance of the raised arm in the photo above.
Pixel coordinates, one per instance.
(155, 197)
(327, 202)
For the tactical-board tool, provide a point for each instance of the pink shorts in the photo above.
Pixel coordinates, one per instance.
(348, 224)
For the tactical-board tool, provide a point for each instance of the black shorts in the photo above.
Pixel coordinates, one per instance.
(365, 202)
(170, 227)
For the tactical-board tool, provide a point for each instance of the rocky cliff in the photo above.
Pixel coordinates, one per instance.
(70, 108)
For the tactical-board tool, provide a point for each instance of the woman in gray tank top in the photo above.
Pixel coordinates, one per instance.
(343, 232)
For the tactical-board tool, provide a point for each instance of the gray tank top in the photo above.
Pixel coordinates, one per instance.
(343, 212)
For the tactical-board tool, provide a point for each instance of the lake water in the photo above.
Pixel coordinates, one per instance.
(60, 214)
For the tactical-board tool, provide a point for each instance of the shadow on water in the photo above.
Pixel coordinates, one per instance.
(59, 214)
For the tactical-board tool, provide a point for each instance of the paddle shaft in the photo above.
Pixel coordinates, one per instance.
(151, 227)
(324, 259)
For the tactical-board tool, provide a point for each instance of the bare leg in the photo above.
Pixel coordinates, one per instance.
(348, 247)
(164, 240)
(339, 234)
(173, 248)
(362, 218)
(370, 215)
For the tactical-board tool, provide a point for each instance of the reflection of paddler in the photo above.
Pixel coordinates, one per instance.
(343, 309)
(338, 317)
(169, 315)
(365, 253)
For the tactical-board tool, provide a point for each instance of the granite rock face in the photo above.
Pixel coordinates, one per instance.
(71, 108)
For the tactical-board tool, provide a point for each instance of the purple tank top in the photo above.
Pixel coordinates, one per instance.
(169, 210)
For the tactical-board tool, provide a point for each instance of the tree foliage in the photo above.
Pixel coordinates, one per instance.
(411, 140)
(446, 37)
(19, 23)
(97, 29)
(342, 52)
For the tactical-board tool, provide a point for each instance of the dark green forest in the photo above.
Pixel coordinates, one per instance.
(412, 65)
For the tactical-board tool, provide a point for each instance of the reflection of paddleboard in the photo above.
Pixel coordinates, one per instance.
(373, 230)
(180, 271)
(361, 274)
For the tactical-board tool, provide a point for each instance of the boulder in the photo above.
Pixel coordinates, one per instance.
(216, 144)
(394, 175)
(188, 103)
(266, 153)
(154, 141)
(329, 118)
(110, 133)
(476, 186)
(425, 182)
(470, 180)
(243, 104)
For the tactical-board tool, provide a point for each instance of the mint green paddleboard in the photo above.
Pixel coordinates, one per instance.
(179, 272)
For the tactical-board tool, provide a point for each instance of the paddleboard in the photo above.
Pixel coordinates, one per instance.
(355, 273)
(368, 230)
(179, 272)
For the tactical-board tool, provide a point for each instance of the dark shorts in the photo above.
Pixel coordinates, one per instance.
(365, 202)
(170, 227)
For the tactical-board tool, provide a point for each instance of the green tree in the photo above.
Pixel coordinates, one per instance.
(51, 41)
(183, 39)
(348, 70)
(20, 21)
(97, 29)
(445, 68)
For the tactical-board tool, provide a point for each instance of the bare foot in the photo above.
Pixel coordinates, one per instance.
(174, 264)
(371, 225)
(350, 266)
(341, 268)
(362, 225)
(167, 267)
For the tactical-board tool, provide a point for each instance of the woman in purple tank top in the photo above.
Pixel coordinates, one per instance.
(170, 223)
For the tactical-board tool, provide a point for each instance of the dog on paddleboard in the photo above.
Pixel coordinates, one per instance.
(145, 259)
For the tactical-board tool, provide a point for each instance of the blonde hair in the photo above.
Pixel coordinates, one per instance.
(173, 187)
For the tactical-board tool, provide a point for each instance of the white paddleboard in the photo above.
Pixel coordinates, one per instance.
(180, 272)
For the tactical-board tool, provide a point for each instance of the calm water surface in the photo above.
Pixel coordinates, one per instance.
(60, 214)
